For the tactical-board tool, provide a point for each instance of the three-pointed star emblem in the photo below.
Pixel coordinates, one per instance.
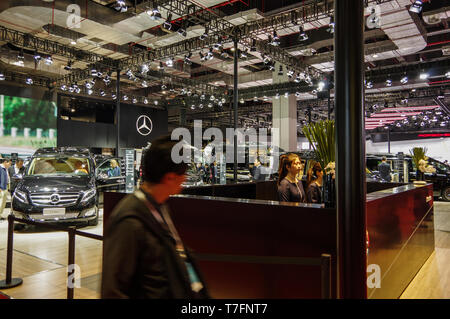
(144, 125)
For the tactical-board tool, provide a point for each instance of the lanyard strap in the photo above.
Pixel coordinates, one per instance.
(164, 220)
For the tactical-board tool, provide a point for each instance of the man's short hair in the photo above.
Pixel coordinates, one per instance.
(5, 159)
(383, 158)
(157, 160)
(19, 160)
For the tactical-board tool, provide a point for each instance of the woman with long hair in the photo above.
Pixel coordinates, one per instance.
(290, 189)
(314, 180)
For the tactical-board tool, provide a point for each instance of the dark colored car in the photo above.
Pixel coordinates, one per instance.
(403, 166)
(59, 185)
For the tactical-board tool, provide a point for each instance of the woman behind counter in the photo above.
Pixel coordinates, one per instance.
(314, 181)
(290, 189)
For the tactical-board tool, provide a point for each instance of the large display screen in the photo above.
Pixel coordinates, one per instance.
(26, 125)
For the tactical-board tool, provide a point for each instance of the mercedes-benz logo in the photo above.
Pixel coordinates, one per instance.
(144, 125)
(54, 199)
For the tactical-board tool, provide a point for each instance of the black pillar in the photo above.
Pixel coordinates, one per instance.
(350, 148)
(235, 98)
(118, 97)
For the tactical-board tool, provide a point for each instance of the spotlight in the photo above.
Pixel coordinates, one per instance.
(121, 6)
(286, 94)
(275, 41)
(2, 76)
(277, 96)
(416, 7)
(369, 85)
(220, 103)
(89, 91)
(169, 62)
(223, 100)
(21, 56)
(145, 68)
(200, 105)
(189, 92)
(48, 60)
(243, 54)
(183, 91)
(253, 47)
(272, 67)
(73, 42)
(388, 82)
(102, 93)
(89, 84)
(242, 101)
(130, 74)
(210, 55)
(447, 75)
(154, 13)
(297, 94)
(68, 67)
(218, 45)
(145, 101)
(182, 29)
(167, 24)
(29, 81)
(202, 57)
(202, 96)
(290, 73)
(192, 107)
(37, 57)
(302, 35)
(297, 78)
(163, 87)
(144, 84)
(63, 87)
(125, 98)
(210, 105)
(331, 25)
(424, 76)
(223, 53)
(280, 71)
(205, 34)
(404, 80)
(113, 96)
(94, 72)
(156, 102)
(134, 100)
(107, 79)
(187, 59)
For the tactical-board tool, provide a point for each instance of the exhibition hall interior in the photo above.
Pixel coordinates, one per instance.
(315, 133)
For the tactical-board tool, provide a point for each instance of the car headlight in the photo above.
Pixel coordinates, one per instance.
(88, 195)
(21, 196)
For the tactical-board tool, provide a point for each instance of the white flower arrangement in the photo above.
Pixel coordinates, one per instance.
(424, 167)
(330, 168)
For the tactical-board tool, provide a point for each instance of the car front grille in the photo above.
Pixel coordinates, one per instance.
(54, 199)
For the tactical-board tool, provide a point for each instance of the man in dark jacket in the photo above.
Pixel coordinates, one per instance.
(143, 255)
(385, 169)
(15, 170)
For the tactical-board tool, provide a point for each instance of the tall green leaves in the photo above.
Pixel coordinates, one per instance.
(417, 154)
(321, 136)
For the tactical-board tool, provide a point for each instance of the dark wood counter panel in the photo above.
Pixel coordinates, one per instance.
(399, 222)
(401, 234)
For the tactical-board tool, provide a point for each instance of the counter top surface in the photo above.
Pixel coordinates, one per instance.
(392, 191)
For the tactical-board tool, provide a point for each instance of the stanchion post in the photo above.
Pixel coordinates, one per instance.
(70, 288)
(10, 282)
(326, 275)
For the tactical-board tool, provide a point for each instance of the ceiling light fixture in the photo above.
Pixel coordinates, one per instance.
(182, 29)
(121, 6)
(205, 34)
(154, 12)
(404, 80)
(48, 60)
(169, 62)
(167, 24)
(424, 76)
(302, 35)
(68, 67)
(331, 25)
(416, 7)
(388, 82)
(29, 81)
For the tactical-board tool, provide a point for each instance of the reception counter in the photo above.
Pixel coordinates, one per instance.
(245, 236)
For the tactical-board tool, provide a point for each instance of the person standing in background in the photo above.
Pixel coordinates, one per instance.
(4, 183)
(17, 169)
(314, 182)
(384, 169)
(144, 257)
(290, 189)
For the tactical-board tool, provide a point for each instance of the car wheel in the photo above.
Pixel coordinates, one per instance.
(93, 222)
(446, 194)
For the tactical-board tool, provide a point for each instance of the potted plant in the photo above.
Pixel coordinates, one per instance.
(321, 137)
